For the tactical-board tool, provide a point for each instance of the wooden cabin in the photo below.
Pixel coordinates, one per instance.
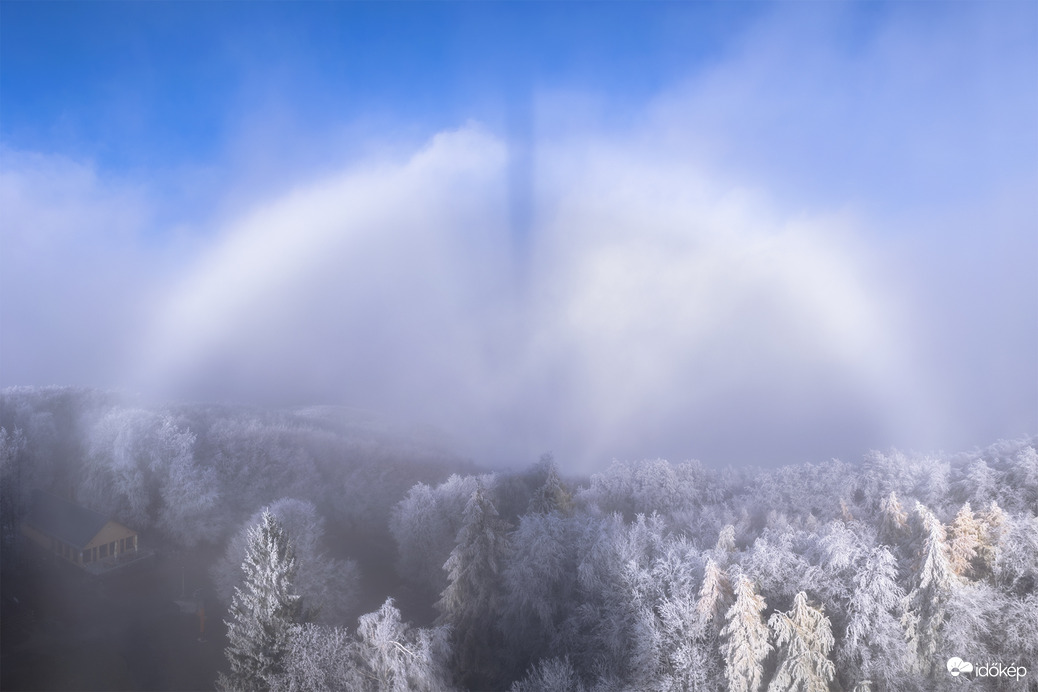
(77, 534)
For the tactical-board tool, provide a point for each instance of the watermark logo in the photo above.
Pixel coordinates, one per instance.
(957, 667)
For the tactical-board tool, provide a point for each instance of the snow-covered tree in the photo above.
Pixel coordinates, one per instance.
(392, 656)
(265, 611)
(715, 595)
(804, 638)
(873, 648)
(328, 587)
(746, 644)
(425, 526)
(471, 603)
(319, 659)
(893, 520)
(141, 467)
(552, 496)
(1023, 478)
(966, 536)
(777, 565)
(978, 483)
(687, 647)
(540, 579)
(934, 579)
(1018, 628)
(993, 521)
(972, 614)
(550, 675)
(611, 628)
(12, 447)
(188, 490)
(1016, 565)
(725, 545)
(387, 655)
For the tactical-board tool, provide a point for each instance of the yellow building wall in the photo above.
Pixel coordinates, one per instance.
(112, 531)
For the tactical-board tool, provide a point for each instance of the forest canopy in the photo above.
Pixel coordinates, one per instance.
(651, 575)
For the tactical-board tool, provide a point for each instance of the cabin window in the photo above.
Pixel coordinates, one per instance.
(86, 555)
(111, 548)
(104, 550)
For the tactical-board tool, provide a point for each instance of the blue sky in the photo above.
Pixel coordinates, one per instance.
(743, 232)
(146, 84)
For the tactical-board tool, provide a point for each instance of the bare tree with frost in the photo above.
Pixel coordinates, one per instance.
(319, 659)
(392, 656)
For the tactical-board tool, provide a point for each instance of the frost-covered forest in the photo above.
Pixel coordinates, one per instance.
(652, 575)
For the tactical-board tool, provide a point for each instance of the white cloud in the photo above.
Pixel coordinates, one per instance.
(73, 276)
(761, 270)
(652, 305)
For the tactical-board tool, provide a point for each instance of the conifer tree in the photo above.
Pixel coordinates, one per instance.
(471, 603)
(934, 581)
(966, 535)
(725, 544)
(872, 650)
(265, 610)
(804, 639)
(715, 595)
(552, 496)
(745, 639)
(893, 521)
(993, 522)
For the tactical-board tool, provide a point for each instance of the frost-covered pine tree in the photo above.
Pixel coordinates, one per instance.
(725, 545)
(804, 639)
(927, 602)
(745, 639)
(471, 603)
(552, 496)
(327, 586)
(966, 536)
(540, 580)
(715, 595)
(993, 521)
(265, 610)
(893, 520)
(872, 651)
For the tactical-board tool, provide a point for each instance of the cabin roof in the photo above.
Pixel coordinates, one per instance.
(64, 520)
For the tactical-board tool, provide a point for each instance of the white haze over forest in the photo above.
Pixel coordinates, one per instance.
(802, 250)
